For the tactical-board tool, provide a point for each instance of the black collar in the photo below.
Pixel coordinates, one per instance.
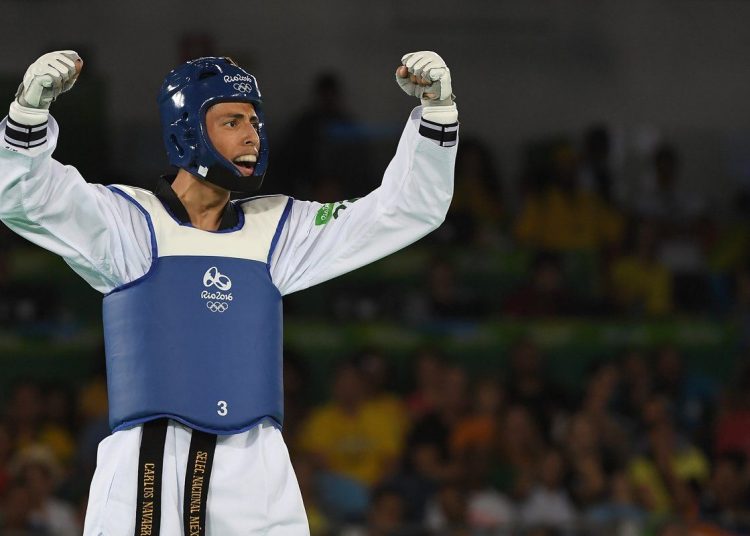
(169, 199)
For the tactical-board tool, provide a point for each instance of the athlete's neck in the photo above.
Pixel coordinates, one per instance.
(203, 201)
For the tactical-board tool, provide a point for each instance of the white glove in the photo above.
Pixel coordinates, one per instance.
(429, 80)
(52, 74)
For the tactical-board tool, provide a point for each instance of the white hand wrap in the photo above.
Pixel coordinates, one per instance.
(26, 115)
(437, 98)
(52, 74)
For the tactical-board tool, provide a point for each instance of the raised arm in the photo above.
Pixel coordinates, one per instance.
(100, 235)
(321, 241)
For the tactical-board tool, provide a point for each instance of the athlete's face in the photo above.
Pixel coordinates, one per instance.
(233, 130)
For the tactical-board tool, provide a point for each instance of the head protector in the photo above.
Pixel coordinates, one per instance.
(185, 96)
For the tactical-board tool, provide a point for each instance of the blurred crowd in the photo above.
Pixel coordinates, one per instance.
(49, 435)
(654, 245)
(641, 445)
(602, 222)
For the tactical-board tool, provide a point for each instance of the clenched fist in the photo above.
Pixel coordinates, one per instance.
(47, 77)
(44, 80)
(426, 76)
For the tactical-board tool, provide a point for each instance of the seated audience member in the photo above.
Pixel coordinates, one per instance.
(93, 416)
(589, 461)
(15, 512)
(519, 452)
(445, 296)
(385, 516)
(476, 215)
(616, 511)
(36, 468)
(548, 503)
(662, 198)
(378, 378)
(595, 173)
(477, 431)
(529, 385)
(726, 498)
(57, 423)
(732, 427)
(639, 282)
(684, 225)
(418, 478)
(346, 436)
(636, 386)
(665, 474)
(448, 513)
(322, 154)
(692, 396)
(429, 369)
(488, 509)
(296, 378)
(24, 413)
(432, 433)
(561, 216)
(427, 460)
(305, 471)
(597, 408)
(545, 293)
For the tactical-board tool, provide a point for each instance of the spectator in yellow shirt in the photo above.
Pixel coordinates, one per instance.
(561, 216)
(664, 473)
(349, 437)
(639, 282)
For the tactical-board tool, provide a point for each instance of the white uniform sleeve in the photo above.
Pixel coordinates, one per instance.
(102, 236)
(321, 241)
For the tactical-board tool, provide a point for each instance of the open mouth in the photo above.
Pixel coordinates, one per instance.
(246, 164)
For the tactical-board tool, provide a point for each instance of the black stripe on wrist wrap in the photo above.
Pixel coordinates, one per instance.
(445, 135)
(25, 136)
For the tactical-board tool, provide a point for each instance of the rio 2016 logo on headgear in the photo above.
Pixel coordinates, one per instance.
(217, 301)
(237, 78)
(243, 84)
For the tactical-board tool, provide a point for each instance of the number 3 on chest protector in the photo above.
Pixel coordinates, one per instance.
(222, 408)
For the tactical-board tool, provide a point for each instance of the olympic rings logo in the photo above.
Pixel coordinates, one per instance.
(243, 87)
(217, 307)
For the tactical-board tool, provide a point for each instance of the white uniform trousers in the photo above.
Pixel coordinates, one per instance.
(253, 488)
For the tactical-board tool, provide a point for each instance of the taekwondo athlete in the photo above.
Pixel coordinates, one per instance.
(193, 284)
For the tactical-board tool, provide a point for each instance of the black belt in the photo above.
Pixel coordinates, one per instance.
(150, 462)
(150, 465)
(200, 461)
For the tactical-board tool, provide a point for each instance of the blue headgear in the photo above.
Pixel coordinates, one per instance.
(185, 96)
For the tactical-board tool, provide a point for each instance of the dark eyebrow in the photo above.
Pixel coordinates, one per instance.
(238, 116)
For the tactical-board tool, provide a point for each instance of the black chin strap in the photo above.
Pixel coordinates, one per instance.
(224, 178)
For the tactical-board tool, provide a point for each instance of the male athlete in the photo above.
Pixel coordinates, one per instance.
(192, 285)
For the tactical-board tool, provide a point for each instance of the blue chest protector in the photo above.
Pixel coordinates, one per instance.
(198, 339)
